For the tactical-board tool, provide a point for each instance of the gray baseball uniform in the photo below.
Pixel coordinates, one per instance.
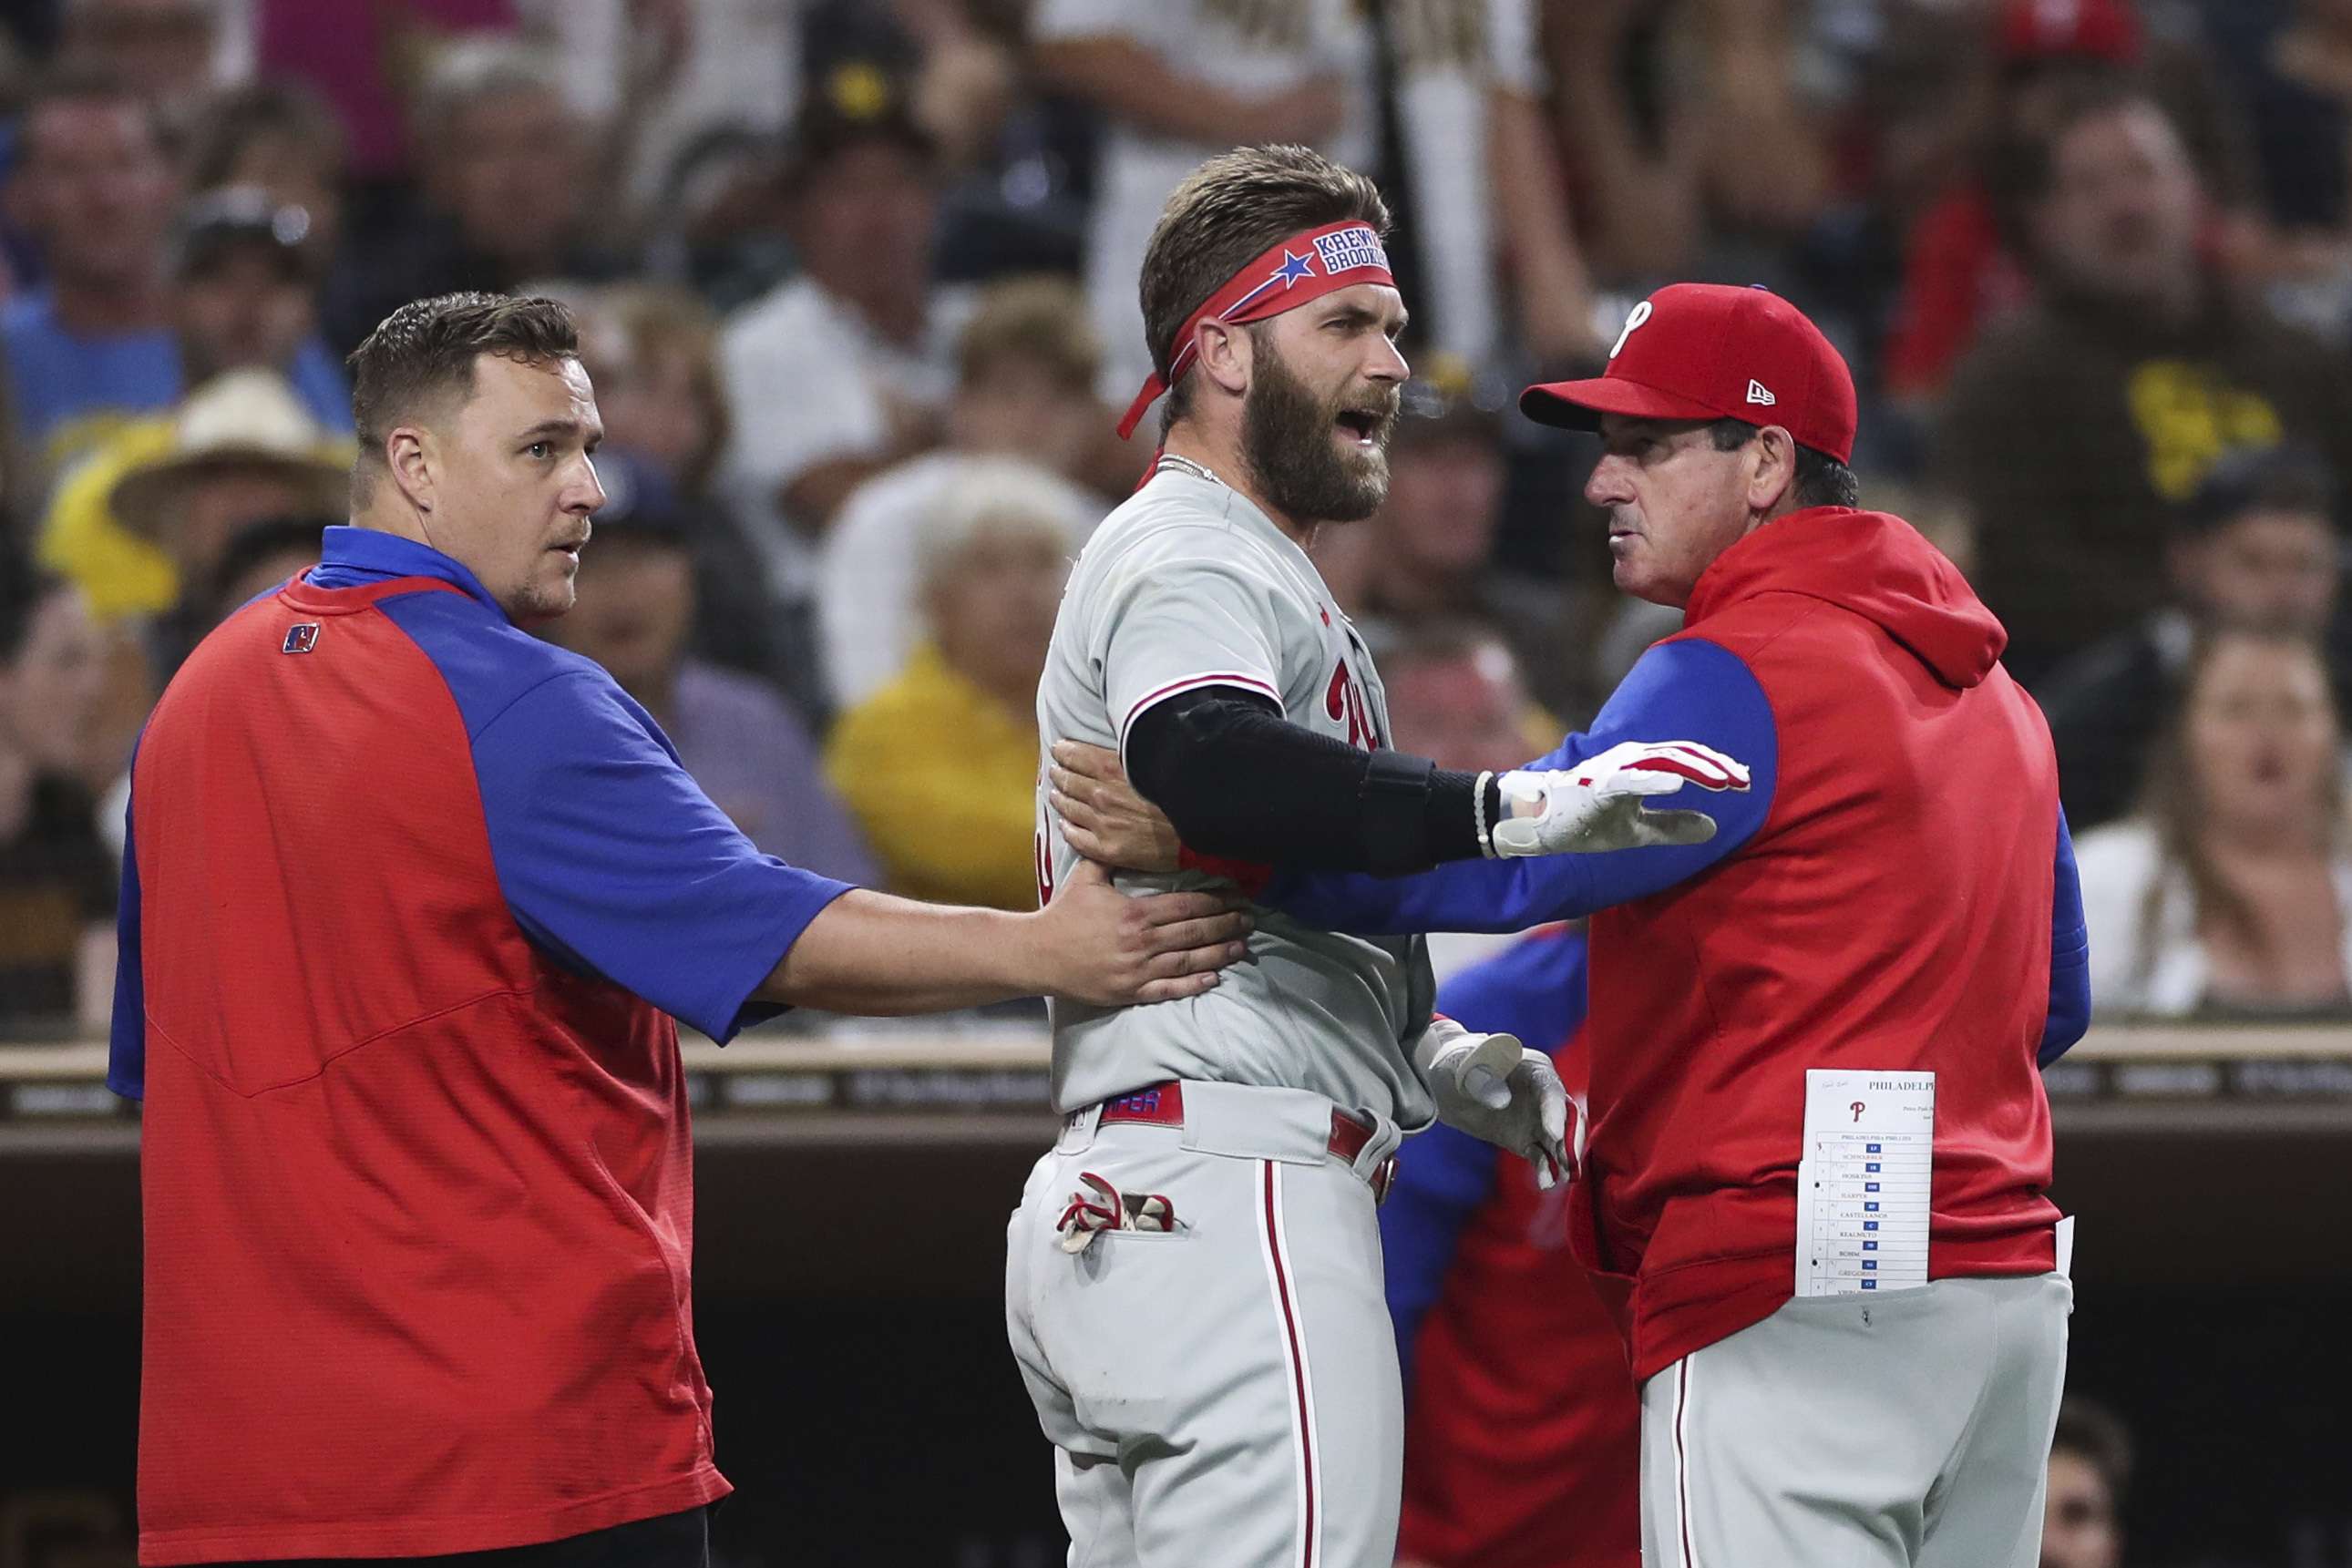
(1224, 1390)
(1189, 585)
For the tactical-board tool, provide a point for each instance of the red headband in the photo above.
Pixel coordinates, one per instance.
(1338, 255)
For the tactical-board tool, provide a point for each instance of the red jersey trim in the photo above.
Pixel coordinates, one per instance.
(436, 1537)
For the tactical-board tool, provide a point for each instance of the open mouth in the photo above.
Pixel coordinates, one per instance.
(1362, 425)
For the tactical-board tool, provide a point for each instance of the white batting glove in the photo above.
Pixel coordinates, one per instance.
(1597, 805)
(1491, 1087)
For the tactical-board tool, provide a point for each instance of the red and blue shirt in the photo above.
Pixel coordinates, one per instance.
(408, 898)
(1896, 891)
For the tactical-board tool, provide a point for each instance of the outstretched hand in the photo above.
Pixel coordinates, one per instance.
(1102, 816)
(1598, 805)
(1101, 946)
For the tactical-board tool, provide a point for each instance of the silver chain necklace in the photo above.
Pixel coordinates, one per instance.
(1186, 465)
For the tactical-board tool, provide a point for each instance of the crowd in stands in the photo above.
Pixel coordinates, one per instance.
(857, 285)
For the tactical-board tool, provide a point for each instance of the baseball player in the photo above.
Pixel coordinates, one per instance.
(1194, 1276)
(1819, 1149)
(1522, 1445)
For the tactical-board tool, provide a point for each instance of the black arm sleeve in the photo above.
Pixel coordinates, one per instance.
(1241, 782)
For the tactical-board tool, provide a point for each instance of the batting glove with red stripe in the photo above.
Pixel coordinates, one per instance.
(1597, 804)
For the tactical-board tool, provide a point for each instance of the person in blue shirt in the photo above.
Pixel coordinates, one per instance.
(135, 313)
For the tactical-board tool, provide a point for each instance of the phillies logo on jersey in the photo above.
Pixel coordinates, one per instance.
(1343, 700)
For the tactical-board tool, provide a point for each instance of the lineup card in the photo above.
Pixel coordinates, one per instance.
(1862, 1181)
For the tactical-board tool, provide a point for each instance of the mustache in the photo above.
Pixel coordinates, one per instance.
(1385, 405)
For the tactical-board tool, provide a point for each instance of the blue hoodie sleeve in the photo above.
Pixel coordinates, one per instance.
(2070, 957)
(1535, 990)
(1688, 689)
(126, 1055)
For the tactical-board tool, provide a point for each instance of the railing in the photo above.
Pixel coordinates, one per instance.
(988, 1085)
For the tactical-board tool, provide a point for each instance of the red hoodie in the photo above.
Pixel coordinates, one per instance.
(1887, 896)
(1891, 913)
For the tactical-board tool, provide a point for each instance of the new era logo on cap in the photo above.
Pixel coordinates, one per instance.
(1706, 350)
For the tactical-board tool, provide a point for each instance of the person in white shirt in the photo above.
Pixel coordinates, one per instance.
(1182, 79)
(1026, 365)
(2226, 893)
(843, 371)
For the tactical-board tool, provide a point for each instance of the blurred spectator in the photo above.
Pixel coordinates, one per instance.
(1455, 693)
(241, 298)
(2255, 549)
(2227, 894)
(278, 138)
(361, 56)
(506, 177)
(652, 351)
(843, 371)
(1959, 272)
(166, 49)
(1670, 113)
(734, 735)
(94, 190)
(143, 526)
(2090, 1475)
(1177, 81)
(1961, 269)
(1432, 543)
(940, 765)
(2292, 67)
(263, 556)
(241, 302)
(57, 877)
(1026, 365)
(1439, 101)
(2075, 430)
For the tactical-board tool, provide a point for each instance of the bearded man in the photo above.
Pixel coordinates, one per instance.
(1194, 1283)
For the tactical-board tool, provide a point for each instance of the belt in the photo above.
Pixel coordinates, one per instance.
(1162, 1105)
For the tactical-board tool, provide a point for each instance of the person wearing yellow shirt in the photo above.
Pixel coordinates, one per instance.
(940, 765)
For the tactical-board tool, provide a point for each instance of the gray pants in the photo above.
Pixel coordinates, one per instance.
(1225, 1395)
(1908, 1430)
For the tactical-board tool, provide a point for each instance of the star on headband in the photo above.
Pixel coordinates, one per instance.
(1294, 269)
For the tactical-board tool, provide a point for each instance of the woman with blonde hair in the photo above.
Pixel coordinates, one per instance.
(2227, 892)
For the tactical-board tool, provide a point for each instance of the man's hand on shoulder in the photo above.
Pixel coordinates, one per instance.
(1597, 805)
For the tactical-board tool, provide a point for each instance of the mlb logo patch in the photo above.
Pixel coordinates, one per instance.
(301, 639)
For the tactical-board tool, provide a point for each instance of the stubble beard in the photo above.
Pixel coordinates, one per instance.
(1286, 439)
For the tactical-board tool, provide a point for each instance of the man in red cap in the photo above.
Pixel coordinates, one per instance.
(1818, 1142)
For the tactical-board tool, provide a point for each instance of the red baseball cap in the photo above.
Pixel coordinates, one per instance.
(2097, 29)
(1709, 350)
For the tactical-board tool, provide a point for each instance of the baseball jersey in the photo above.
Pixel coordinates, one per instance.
(1188, 585)
(407, 894)
(1896, 891)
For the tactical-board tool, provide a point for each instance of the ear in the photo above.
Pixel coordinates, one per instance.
(411, 454)
(1771, 462)
(1224, 355)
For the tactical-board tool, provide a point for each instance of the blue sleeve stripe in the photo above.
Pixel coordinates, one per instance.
(1688, 689)
(126, 1055)
(2070, 957)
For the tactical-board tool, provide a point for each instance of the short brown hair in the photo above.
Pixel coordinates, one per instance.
(1038, 320)
(425, 351)
(1231, 208)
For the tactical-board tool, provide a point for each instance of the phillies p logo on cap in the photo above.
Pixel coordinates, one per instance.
(1709, 350)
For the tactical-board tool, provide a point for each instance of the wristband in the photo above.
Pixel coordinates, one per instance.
(1478, 814)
